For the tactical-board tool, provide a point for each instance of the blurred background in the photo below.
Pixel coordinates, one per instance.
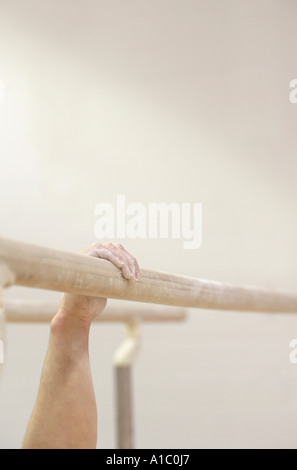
(163, 101)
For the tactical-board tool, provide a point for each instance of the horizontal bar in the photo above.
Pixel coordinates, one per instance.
(46, 268)
(18, 311)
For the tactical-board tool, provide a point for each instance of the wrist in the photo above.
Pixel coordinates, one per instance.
(65, 320)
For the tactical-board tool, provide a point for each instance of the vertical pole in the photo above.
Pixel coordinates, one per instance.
(124, 407)
(6, 278)
(1, 331)
(123, 361)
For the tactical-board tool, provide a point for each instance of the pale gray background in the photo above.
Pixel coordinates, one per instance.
(173, 101)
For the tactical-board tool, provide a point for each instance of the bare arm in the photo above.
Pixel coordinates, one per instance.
(65, 413)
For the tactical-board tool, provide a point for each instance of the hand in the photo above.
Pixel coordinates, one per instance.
(88, 307)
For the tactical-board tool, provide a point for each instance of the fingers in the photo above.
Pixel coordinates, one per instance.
(131, 258)
(116, 254)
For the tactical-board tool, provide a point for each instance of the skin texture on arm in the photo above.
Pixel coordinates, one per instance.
(65, 412)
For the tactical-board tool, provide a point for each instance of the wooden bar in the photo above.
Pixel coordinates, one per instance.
(46, 268)
(30, 311)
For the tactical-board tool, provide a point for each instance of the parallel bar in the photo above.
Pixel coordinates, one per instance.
(57, 270)
(29, 311)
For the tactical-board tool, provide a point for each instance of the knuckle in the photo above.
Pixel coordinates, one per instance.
(106, 244)
(97, 245)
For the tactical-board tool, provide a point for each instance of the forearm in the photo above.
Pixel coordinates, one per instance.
(65, 414)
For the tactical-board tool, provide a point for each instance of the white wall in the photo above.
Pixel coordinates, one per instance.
(161, 101)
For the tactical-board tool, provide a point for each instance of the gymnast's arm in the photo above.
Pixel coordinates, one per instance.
(65, 412)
